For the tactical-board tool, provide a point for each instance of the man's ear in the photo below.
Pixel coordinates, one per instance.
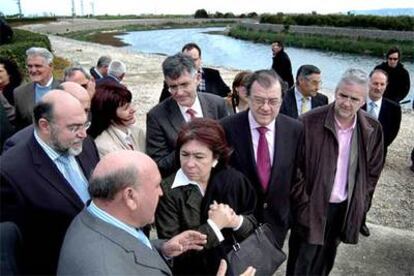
(44, 125)
(130, 197)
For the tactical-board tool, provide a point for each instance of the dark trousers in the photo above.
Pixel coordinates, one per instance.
(312, 259)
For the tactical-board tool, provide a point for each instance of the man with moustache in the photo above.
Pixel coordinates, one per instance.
(304, 96)
(341, 160)
(40, 66)
(44, 179)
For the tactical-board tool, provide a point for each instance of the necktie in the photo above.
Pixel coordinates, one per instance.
(372, 107)
(263, 158)
(144, 239)
(191, 113)
(74, 178)
(305, 105)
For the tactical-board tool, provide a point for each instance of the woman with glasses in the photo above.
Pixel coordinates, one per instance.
(113, 120)
(205, 195)
(398, 78)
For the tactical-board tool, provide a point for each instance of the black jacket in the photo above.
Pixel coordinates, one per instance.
(398, 82)
(283, 67)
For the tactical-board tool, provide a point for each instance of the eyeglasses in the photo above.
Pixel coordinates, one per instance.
(76, 128)
(176, 88)
(392, 58)
(343, 97)
(314, 82)
(259, 101)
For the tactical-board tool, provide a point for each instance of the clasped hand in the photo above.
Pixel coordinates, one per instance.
(223, 216)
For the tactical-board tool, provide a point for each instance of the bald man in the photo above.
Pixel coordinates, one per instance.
(72, 88)
(125, 189)
(44, 179)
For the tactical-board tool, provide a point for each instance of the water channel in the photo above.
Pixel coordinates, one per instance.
(224, 51)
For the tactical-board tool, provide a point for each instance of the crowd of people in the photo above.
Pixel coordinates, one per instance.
(82, 186)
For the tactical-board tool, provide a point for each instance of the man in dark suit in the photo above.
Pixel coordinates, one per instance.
(101, 69)
(165, 119)
(265, 144)
(106, 237)
(304, 95)
(44, 179)
(210, 81)
(40, 65)
(116, 73)
(387, 112)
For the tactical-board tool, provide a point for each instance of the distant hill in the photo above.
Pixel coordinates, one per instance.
(385, 12)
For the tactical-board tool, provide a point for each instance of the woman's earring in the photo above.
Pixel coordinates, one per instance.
(214, 163)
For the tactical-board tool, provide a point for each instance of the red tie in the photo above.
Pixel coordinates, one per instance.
(263, 158)
(191, 112)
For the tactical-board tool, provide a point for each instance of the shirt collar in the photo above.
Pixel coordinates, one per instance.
(53, 154)
(299, 95)
(196, 107)
(377, 103)
(48, 84)
(339, 127)
(124, 136)
(182, 180)
(254, 125)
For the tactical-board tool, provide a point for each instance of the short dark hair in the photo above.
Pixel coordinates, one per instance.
(280, 43)
(174, 66)
(13, 71)
(107, 186)
(190, 46)
(43, 110)
(265, 78)
(393, 50)
(208, 132)
(306, 70)
(106, 100)
(103, 61)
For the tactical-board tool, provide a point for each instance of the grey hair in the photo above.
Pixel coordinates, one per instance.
(174, 66)
(306, 70)
(43, 52)
(103, 61)
(266, 78)
(116, 68)
(69, 72)
(354, 76)
(107, 186)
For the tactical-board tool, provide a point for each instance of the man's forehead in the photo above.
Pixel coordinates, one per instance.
(273, 91)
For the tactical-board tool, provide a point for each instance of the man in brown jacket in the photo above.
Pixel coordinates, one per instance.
(342, 158)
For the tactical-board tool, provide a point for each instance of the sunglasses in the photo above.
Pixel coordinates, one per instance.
(391, 58)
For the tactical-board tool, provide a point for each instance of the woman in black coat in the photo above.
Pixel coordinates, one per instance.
(207, 196)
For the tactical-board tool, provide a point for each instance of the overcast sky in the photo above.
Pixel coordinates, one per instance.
(63, 7)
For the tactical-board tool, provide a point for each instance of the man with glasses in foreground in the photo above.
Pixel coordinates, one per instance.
(341, 160)
(265, 143)
(398, 77)
(44, 179)
(165, 119)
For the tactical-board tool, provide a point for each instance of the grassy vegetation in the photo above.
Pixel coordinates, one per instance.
(17, 21)
(398, 23)
(107, 35)
(336, 44)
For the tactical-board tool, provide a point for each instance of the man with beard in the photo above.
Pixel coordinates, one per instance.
(44, 179)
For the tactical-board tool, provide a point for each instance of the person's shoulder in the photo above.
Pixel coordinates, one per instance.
(211, 98)
(209, 70)
(321, 97)
(229, 121)
(161, 107)
(391, 104)
(17, 158)
(316, 114)
(289, 121)
(21, 89)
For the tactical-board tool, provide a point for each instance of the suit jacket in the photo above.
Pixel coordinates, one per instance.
(95, 247)
(109, 141)
(390, 118)
(164, 122)
(214, 84)
(94, 73)
(37, 197)
(24, 101)
(290, 108)
(274, 204)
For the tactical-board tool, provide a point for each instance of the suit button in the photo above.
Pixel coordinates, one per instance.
(265, 205)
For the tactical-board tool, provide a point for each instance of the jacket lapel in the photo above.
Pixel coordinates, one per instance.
(174, 114)
(208, 109)
(48, 170)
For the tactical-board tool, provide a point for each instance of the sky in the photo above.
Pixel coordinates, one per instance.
(64, 7)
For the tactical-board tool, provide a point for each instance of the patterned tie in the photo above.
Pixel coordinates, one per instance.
(144, 239)
(263, 158)
(305, 105)
(75, 180)
(191, 113)
(372, 107)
